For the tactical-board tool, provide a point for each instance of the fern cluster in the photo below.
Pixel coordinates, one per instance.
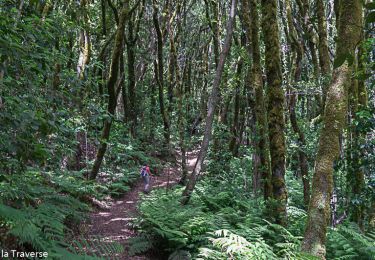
(347, 241)
(38, 212)
(225, 221)
(210, 225)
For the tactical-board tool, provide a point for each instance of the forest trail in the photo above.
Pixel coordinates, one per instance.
(113, 224)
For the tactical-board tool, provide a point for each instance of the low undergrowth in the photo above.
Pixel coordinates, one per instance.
(43, 210)
(224, 220)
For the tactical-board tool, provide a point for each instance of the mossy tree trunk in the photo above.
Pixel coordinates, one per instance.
(159, 74)
(356, 177)
(235, 129)
(214, 26)
(324, 60)
(275, 108)
(296, 70)
(251, 25)
(131, 46)
(349, 35)
(181, 122)
(84, 41)
(112, 91)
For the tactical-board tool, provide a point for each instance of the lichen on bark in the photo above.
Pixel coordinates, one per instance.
(334, 119)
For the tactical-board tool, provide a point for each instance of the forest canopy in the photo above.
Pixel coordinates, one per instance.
(254, 119)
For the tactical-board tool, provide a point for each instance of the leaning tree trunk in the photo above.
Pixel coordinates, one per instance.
(349, 35)
(111, 87)
(275, 108)
(211, 107)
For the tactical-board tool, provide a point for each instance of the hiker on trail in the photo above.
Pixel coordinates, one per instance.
(145, 174)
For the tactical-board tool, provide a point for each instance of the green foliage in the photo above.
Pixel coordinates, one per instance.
(229, 245)
(348, 242)
(194, 227)
(40, 210)
(140, 244)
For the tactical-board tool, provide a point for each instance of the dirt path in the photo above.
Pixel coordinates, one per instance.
(113, 224)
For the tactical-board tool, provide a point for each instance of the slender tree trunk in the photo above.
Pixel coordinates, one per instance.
(275, 108)
(124, 92)
(349, 35)
(325, 64)
(214, 27)
(159, 75)
(324, 61)
(130, 52)
(260, 109)
(131, 46)
(84, 42)
(111, 87)
(297, 48)
(181, 123)
(302, 157)
(237, 105)
(211, 107)
(358, 99)
(103, 16)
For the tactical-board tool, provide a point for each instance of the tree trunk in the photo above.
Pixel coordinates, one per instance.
(275, 108)
(302, 157)
(325, 64)
(111, 87)
(297, 48)
(358, 99)
(84, 43)
(214, 27)
(211, 107)
(333, 122)
(131, 45)
(237, 105)
(159, 71)
(324, 61)
(181, 122)
(130, 52)
(260, 109)
(104, 22)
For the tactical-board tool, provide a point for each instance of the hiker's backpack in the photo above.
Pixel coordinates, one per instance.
(144, 171)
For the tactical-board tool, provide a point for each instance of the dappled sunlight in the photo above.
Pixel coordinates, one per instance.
(118, 219)
(104, 214)
(114, 238)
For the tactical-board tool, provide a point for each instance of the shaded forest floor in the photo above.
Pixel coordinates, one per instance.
(113, 223)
